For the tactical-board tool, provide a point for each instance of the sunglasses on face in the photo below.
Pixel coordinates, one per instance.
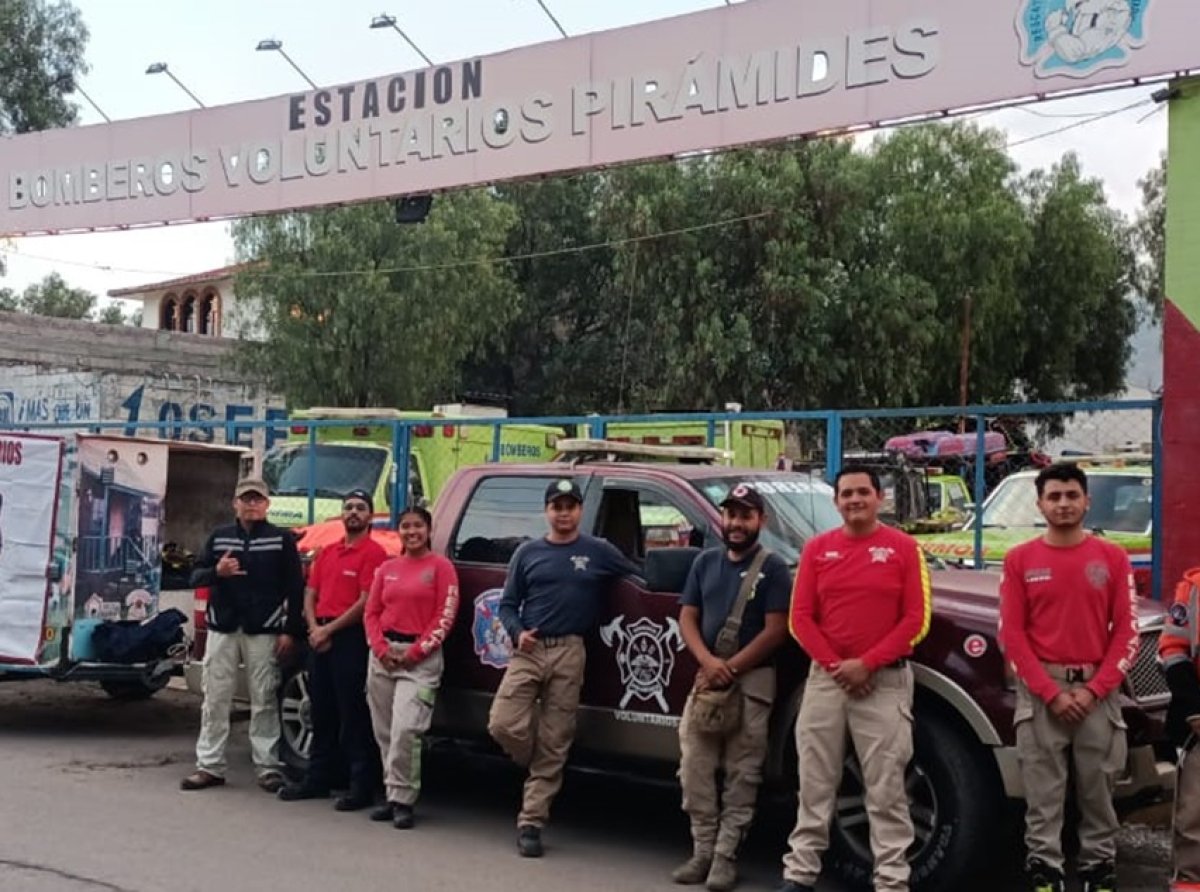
(252, 498)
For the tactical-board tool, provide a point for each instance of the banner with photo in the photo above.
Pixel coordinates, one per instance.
(122, 483)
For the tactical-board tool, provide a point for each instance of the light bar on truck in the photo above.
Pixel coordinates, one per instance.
(614, 450)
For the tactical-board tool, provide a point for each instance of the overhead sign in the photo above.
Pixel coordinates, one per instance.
(742, 74)
(29, 476)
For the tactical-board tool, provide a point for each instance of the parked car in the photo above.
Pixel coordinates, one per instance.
(639, 672)
(1121, 511)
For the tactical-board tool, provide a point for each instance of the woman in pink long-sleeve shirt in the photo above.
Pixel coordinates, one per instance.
(409, 613)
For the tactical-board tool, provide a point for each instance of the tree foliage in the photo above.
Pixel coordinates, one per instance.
(41, 56)
(1151, 233)
(397, 329)
(50, 297)
(807, 275)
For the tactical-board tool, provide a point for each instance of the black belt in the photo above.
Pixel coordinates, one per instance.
(400, 637)
(898, 664)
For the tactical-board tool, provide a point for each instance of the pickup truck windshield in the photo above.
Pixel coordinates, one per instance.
(1120, 503)
(339, 469)
(797, 508)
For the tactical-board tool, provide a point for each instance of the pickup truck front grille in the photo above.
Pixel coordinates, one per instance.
(1146, 678)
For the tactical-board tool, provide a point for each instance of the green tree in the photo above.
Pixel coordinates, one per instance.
(842, 280)
(112, 314)
(9, 302)
(357, 310)
(54, 297)
(1079, 277)
(567, 304)
(41, 55)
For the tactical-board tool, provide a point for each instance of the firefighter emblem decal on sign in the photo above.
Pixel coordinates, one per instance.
(1077, 38)
(645, 655)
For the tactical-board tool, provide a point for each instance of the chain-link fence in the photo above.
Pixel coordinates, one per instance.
(960, 479)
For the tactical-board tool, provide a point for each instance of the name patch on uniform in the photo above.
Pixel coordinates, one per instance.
(881, 554)
(830, 556)
(1097, 574)
(1040, 574)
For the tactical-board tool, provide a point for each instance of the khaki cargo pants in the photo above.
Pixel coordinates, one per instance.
(880, 727)
(1097, 749)
(721, 818)
(533, 718)
(225, 654)
(1185, 844)
(401, 703)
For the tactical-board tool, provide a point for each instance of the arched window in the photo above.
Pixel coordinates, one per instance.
(168, 317)
(210, 314)
(187, 314)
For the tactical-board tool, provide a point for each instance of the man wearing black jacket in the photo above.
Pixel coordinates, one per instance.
(255, 617)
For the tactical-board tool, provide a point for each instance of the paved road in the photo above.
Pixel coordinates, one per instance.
(90, 802)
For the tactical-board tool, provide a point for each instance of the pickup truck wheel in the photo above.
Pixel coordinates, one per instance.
(135, 689)
(954, 800)
(295, 716)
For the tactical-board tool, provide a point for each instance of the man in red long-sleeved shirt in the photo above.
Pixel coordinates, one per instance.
(1068, 627)
(861, 602)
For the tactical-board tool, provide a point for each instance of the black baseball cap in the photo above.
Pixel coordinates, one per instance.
(564, 488)
(747, 496)
(360, 494)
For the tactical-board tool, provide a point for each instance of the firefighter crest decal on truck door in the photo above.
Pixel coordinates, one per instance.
(645, 655)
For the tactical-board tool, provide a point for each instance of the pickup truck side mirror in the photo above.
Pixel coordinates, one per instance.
(667, 568)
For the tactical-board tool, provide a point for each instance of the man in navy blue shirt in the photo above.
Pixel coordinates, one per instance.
(551, 600)
(721, 816)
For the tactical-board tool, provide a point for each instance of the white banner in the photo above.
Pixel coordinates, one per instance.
(29, 472)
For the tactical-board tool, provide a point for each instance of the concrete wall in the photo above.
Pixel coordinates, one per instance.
(57, 370)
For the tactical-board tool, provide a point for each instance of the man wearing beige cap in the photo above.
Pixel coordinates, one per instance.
(255, 617)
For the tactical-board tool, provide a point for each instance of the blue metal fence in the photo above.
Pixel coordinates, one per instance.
(821, 439)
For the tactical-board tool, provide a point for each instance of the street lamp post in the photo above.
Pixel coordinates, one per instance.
(161, 68)
(78, 89)
(277, 46)
(550, 16)
(383, 20)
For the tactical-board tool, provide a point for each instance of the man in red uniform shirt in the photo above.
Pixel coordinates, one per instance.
(861, 602)
(334, 598)
(1068, 628)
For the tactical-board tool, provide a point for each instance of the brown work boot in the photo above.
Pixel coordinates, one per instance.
(201, 780)
(694, 870)
(722, 876)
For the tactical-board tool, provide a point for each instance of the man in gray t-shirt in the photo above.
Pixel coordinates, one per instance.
(720, 818)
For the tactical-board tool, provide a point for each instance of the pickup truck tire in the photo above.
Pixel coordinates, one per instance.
(134, 689)
(955, 803)
(295, 720)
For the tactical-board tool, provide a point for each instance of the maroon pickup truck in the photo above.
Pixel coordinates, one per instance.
(639, 672)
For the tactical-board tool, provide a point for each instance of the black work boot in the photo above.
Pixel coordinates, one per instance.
(302, 790)
(1043, 877)
(529, 841)
(1101, 878)
(402, 816)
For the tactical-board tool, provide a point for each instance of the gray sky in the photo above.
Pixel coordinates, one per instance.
(210, 47)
